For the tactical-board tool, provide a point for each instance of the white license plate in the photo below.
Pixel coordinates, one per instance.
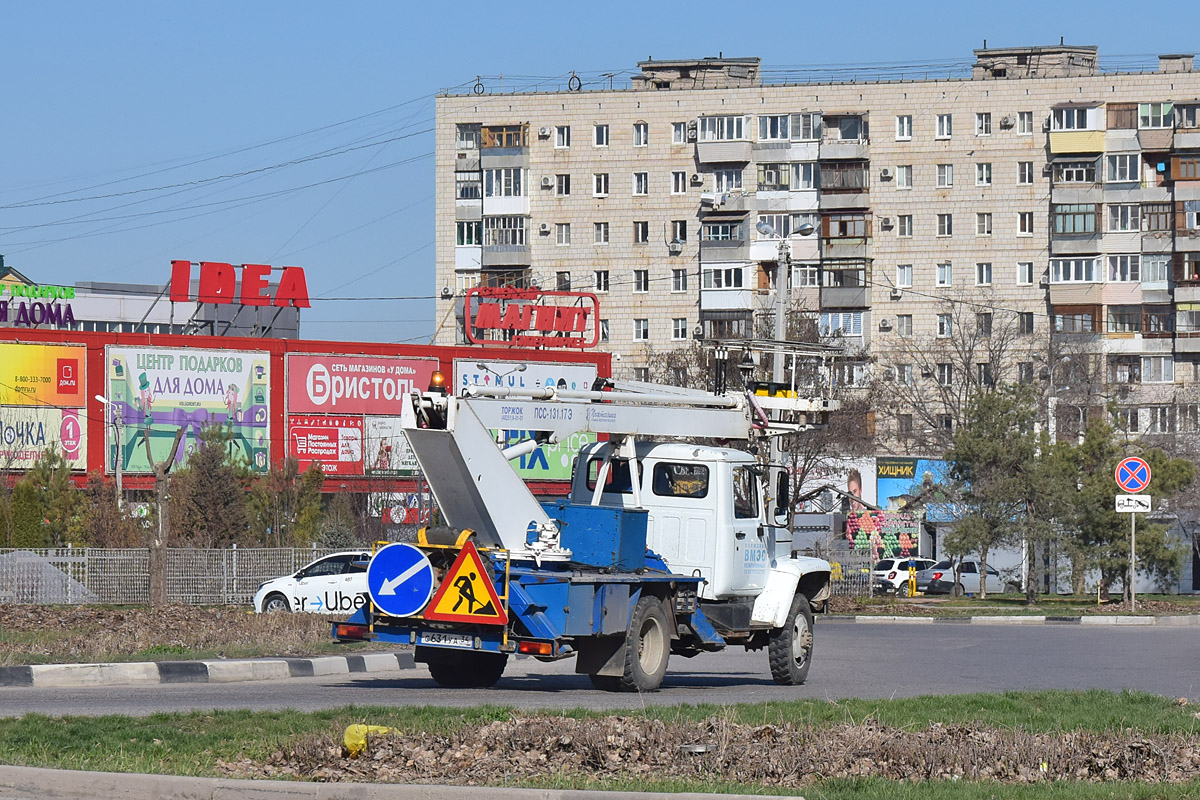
(438, 638)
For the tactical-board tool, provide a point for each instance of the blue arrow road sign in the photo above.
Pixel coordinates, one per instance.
(1133, 474)
(400, 580)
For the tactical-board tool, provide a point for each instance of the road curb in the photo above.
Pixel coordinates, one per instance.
(27, 783)
(1021, 619)
(66, 676)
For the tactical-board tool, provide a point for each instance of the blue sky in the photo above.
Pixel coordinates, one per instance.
(300, 133)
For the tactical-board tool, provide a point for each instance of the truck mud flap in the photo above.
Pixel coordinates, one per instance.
(600, 655)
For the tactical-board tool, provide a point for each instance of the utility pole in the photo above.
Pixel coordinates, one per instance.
(158, 550)
(782, 279)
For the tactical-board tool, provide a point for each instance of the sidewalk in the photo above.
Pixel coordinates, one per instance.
(1180, 620)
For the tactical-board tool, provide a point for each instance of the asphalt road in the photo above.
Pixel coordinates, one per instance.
(852, 660)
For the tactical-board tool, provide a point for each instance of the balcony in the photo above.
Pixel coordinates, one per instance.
(1074, 244)
(843, 198)
(506, 255)
(1076, 142)
(724, 151)
(466, 161)
(844, 297)
(1188, 139)
(1076, 193)
(1075, 293)
(845, 149)
(1187, 293)
(1156, 140)
(726, 300)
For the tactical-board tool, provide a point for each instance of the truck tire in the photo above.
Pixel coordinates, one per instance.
(789, 649)
(647, 649)
(275, 603)
(467, 670)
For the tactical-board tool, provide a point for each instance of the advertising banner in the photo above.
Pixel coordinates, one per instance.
(155, 391)
(42, 375)
(399, 508)
(335, 444)
(549, 462)
(387, 453)
(350, 384)
(27, 432)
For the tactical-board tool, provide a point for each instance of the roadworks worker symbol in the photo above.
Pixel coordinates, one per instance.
(467, 593)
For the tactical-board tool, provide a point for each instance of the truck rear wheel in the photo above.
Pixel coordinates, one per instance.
(463, 670)
(647, 649)
(789, 648)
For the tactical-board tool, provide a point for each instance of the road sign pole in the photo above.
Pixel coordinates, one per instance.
(1132, 563)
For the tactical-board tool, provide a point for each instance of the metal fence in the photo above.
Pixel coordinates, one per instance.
(216, 577)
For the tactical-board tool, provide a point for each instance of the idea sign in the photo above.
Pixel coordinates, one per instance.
(219, 284)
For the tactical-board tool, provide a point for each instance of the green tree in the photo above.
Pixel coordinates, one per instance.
(100, 522)
(29, 529)
(208, 496)
(285, 504)
(53, 498)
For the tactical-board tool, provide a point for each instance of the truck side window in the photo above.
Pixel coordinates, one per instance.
(745, 494)
(618, 475)
(680, 480)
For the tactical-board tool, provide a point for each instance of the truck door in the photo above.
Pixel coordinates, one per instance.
(752, 560)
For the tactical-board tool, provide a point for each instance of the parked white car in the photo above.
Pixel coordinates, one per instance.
(890, 576)
(334, 584)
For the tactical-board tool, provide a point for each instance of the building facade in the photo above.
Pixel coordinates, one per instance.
(1038, 221)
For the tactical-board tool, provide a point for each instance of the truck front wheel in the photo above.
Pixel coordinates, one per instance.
(647, 648)
(790, 647)
(463, 670)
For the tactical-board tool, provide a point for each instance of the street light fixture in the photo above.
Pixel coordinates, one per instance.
(115, 421)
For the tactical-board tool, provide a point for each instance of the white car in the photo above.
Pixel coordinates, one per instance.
(890, 576)
(335, 584)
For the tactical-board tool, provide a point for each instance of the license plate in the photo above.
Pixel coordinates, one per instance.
(440, 639)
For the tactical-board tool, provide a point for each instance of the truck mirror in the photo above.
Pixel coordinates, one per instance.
(782, 493)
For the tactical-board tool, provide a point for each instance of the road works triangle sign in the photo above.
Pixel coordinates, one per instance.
(467, 593)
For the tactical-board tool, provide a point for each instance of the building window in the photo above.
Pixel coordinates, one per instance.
(1187, 168)
(562, 233)
(600, 184)
(562, 136)
(945, 274)
(945, 224)
(679, 328)
(1025, 322)
(1025, 123)
(679, 278)
(727, 180)
(804, 175)
(945, 325)
(1073, 270)
(904, 226)
(1124, 168)
(641, 134)
(466, 136)
(717, 278)
(562, 281)
(806, 275)
(1123, 218)
(600, 282)
(806, 127)
(562, 185)
(983, 124)
(1025, 372)
(1154, 115)
(641, 281)
(641, 183)
(1025, 172)
(983, 323)
(678, 133)
(904, 127)
(1076, 321)
(774, 177)
(983, 224)
(641, 374)
(469, 234)
(983, 373)
(945, 175)
(904, 276)
(983, 274)
(1124, 269)
(1025, 273)
(1191, 215)
(1075, 172)
(600, 232)
(503, 182)
(504, 231)
(678, 183)
(467, 186)
(945, 373)
(1158, 369)
(773, 128)
(679, 230)
(1157, 319)
(721, 232)
(904, 374)
(604, 330)
(1069, 119)
(904, 325)
(904, 176)
(1073, 218)
(983, 174)
(945, 126)
(1025, 223)
(904, 424)
(715, 129)
(846, 226)
(1156, 268)
(600, 135)
(845, 323)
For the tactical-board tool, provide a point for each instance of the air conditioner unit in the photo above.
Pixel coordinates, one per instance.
(925, 373)
(885, 174)
(885, 222)
(547, 182)
(885, 324)
(1048, 170)
(674, 248)
(1046, 125)
(896, 294)
(544, 132)
(697, 179)
(708, 198)
(1007, 122)
(1044, 281)
(544, 228)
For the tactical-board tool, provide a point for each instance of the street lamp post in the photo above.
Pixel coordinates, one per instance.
(115, 421)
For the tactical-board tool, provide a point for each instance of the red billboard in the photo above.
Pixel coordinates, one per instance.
(335, 444)
(350, 384)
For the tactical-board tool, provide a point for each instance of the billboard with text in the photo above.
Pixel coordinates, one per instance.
(335, 444)
(352, 384)
(42, 375)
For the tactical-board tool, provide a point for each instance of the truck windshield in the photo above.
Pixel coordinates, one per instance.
(680, 480)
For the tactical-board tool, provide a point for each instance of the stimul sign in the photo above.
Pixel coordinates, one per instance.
(531, 317)
(219, 284)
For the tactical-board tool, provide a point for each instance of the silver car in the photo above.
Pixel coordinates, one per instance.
(939, 579)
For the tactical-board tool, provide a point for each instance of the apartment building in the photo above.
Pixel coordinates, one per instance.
(1036, 221)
